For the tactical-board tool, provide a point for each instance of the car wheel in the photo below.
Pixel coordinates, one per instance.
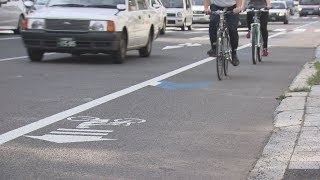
(184, 26)
(163, 30)
(146, 51)
(286, 21)
(18, 30)
(35, 55)
(190, 27)
(120, 55)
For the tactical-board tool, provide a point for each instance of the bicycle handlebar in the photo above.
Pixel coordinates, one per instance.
(218, 12)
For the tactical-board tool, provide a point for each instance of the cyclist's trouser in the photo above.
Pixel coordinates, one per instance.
(232, 24)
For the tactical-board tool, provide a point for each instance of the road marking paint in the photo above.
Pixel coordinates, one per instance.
(21, 57)
(4, 39)
(79, 133)
(69, 138)
(13, 134)
(84, 130)
(279, 30)
(317, 30)
(299, 30)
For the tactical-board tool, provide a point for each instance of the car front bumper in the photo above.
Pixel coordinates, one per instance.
(277, 17)
(174, 22)
(200, 18)
(81, 42)
(309, 12)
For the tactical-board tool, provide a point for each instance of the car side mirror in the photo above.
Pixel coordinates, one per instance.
(28, 4)
(156, 6)
(121, 7)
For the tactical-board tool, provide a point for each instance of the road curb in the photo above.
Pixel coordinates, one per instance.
(288, 120)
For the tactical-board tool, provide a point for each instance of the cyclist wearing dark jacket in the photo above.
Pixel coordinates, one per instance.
(258, 4)
(232, 24)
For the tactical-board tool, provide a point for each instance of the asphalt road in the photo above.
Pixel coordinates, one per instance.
(162, 117)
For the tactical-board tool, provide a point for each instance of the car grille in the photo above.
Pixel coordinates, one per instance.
(67, 25)
(198, 12)
(171, 22)
(171, 14)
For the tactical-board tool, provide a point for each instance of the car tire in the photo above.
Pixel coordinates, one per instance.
(190, 27)
(286, 21)
(120, 55)
(146, 51)
(183, 28)
(18, 30)
(35, 55)
(163, 29)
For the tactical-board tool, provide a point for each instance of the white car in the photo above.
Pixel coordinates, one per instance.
(199, 16)
(91, 26)
(279, 12)
(162, 14)
(179, 13)
(12, 13)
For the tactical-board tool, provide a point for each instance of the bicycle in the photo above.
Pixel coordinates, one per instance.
(223, 46)
(256, 39)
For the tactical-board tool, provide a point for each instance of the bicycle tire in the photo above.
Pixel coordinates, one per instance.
(227, 48)
(259, 49)
(219, 58)
(253, 46)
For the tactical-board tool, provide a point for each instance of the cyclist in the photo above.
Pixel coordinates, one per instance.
(232, 23)
(258, 4)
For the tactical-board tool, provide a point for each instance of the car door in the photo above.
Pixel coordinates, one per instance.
(133, 23)
(189, 13)
(145, 18)
(9, 14)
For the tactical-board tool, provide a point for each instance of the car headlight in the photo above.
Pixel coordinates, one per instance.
(282, 14)
(98, 25)
(299, 9)
(179, 14)
(36, 24)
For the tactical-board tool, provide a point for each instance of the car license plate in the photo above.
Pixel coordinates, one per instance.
(273, 18)
(310, 12)
(66, 42)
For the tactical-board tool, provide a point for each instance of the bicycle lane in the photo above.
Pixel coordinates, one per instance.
(183, 128)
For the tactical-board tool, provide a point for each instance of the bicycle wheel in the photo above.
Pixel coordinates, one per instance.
(219, 59)
(259, 49)
(227, 52)
(254, 46)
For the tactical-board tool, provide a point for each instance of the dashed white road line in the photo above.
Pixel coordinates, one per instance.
(10, 38)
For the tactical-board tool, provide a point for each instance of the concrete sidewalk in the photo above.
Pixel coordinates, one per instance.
(293, 150)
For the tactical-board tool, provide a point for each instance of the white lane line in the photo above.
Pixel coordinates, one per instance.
(11, 135)
(11, 38)
(21, 57)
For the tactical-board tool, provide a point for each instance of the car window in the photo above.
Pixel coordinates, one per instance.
(142, 4)
(173, 3)
(309, 2)
(87, 3)
(133, 5)
(197, 2)
(278, 5)
(41, 2)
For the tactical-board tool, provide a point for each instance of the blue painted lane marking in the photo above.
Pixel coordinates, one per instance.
(173, 86)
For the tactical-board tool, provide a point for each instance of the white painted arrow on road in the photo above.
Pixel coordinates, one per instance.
(69, 138)
(181, 45)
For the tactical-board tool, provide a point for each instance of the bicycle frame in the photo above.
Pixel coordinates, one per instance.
(255, 26)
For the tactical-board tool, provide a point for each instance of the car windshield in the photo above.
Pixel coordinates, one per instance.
(309, 2)
(278, 5)
(41, 2)
(172, 3)
(289, 4)
(197, 2)
(87, 3)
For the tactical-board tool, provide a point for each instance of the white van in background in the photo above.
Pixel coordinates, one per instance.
(199, 16)
(12, 13)
(179, 13)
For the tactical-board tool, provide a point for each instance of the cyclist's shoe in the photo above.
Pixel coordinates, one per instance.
(265, 52)
(248, 35)
(235, 60)
(212, 52)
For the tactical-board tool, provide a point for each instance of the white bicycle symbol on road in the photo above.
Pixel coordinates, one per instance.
(88, 121)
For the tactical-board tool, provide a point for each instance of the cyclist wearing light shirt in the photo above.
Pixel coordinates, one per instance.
(232, 23)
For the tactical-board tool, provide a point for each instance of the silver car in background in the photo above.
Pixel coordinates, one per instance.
(12, 13)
